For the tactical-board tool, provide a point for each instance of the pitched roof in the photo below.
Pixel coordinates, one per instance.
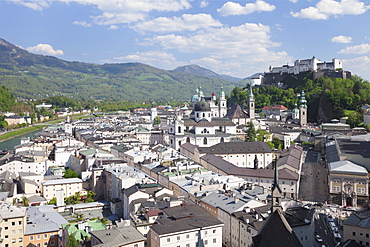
(184, 218)
(236, 111)
(357, 220)
(348, 167)
(118, 236)
(231, 169)
(236, 148)
(276, 232)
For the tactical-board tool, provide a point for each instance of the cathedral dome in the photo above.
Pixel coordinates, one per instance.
(202, 106)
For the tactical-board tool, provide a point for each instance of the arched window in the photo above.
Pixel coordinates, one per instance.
(205, 141)
(179, 143)
(188, 139)
(179, 129)
(198, 115)
(205, 131)
(171, 141)
(204, 115)
(222, 139)
(209, 114)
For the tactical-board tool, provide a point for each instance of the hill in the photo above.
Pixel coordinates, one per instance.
(29, 75)
(197, 70)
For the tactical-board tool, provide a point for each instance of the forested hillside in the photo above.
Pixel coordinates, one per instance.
(36, 76)
(327, 97)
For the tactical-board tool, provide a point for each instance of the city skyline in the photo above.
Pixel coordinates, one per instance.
(236, 38)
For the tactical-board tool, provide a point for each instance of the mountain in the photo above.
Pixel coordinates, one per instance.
(29, 75)
(197, 70)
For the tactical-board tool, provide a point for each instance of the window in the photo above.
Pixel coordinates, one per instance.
(168, 240)
(45, 243)
(52, 243)
(45, 236)
(353, 233)
(19, 223)
(187, 236)
(31, 238)
(20, 239)
(13, 240)
(20, 231)
(38, 237)
(187, 245)
(367, 235)
(361, 190)
(205, 242)
(214, 240)
(178, 237)
(136, 245)
(13, 232)
(336, 188)
(13, 223)
(6, 228)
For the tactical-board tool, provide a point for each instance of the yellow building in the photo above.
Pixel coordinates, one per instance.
(348, 183)
(12, 223)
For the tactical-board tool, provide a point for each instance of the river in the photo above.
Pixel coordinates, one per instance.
(9, 144)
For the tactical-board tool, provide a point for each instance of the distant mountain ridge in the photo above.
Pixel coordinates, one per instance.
(30, 75)
(197, 70)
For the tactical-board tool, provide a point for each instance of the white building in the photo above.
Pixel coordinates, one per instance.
(69, 186)
(186, 225)
(306, 65)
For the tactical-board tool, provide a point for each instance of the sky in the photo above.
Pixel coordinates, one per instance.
(236, 38)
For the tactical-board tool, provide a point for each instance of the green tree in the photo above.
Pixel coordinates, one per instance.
(25, 201)
(278, 144)
(262, 135)
(251, 133)
(69, 173)
(71, 241)
(53, 201)
(354, 119)
(157, 120)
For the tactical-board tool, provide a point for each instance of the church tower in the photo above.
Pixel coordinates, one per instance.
(222, 104)
(275, 190)
(251, 103)
(303, 110)
(295, 112)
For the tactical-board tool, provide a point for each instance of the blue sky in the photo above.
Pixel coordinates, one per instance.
(236, 38)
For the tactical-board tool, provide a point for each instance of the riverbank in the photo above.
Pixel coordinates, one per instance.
(18, 132)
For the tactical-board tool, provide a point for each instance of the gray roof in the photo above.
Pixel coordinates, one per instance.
(9, 211)
(118, 236)
(347, 167)
(358, 221)
(62, 181)
(236, 148)
(227, 204)
(231, 169)
(187, 217)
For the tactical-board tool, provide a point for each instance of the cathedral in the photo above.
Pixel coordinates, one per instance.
(206, 125)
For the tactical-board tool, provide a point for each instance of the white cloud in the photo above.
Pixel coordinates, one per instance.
(33, 4)
(326, 8)
(231, 8)
(204, 4)
(358, 66)
(82, 23)
(357, 49)
(243, 49)
(113, 27)
(155, 58)
(341, 39)
(116, 11)
(45, 49)
(185, 22)
(294, 1)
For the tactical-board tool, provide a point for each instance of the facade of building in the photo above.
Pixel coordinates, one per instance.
(357, 227)
(186, 225)
(348, 183)
(67, 186)
(12, 224)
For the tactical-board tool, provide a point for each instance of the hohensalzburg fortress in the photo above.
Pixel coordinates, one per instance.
(305, 65)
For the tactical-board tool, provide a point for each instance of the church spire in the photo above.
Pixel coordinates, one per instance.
(275, 190)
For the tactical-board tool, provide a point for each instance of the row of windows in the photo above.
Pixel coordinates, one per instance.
(205, 243)
(13, 223)
(38, 237)
(178, 238)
